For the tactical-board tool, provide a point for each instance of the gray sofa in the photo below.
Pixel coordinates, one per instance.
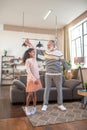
(70, 87)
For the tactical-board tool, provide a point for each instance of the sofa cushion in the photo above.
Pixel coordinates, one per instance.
(74, 74)
(71, 83)
(19, 84)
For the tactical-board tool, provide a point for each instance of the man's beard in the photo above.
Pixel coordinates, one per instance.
(50, 49)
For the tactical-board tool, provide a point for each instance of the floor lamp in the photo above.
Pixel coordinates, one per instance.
(79, 61)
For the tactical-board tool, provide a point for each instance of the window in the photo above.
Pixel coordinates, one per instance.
(78, 42)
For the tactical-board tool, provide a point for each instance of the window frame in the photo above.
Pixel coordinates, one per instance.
(73, 44)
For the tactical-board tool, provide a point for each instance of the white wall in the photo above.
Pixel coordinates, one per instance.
(12, 42)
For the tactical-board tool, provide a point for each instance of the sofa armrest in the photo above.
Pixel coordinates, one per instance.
(17, 95)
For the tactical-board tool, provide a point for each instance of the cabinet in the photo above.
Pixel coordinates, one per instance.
(7, 70)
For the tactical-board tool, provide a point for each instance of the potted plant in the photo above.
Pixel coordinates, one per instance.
(85, 85)
(5, 52)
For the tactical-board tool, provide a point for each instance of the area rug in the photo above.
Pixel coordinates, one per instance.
(53, 115)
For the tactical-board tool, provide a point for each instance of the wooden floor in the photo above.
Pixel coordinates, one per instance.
(12, 117)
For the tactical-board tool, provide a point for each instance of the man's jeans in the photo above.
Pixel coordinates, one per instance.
(48, 83)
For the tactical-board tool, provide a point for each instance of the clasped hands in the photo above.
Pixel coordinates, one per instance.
(34, 81)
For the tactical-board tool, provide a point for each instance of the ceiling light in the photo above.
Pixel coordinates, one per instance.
(48, 13)
(39, 45)
(56, 32)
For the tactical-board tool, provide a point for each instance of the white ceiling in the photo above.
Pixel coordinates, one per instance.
(11, 12)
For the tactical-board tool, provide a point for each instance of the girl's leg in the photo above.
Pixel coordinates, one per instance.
(34, 99)
(28, 99)
(34, 103)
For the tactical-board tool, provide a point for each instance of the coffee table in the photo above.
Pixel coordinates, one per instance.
(83, 93)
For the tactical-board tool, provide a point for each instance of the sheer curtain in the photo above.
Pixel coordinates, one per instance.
(66, 44)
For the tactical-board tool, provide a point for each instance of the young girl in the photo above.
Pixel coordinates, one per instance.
(33, 79)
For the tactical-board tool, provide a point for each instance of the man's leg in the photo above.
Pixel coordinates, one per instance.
(48, 83)
(58, 82)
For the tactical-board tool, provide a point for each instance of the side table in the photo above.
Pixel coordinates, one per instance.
(83, 93)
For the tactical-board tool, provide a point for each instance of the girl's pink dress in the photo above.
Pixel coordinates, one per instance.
(32, 75)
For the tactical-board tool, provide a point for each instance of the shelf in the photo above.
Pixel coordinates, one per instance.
(11, 68)
(4, 68)
(7, 78)
(7, 70)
